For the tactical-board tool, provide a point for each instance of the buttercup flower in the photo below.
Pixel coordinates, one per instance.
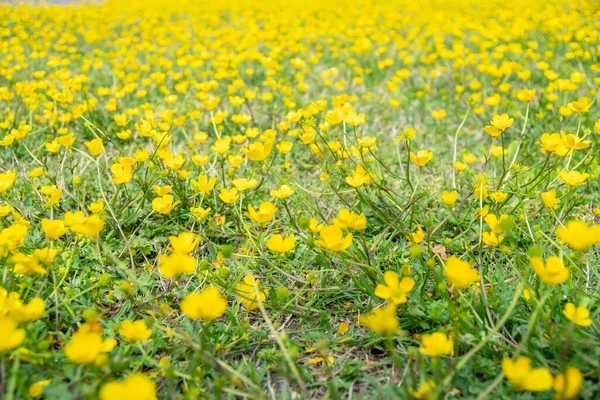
(381, 320)
(280, 244)
(206, 305)
(578, 315)
(459, 273)
(421, 158)
(332, 238)
(523, 377)
(394, 289)
(436, 344)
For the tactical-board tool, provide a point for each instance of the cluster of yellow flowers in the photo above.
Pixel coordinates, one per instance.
(217, 185)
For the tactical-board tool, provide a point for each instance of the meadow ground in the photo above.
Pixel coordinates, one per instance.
(303, 199)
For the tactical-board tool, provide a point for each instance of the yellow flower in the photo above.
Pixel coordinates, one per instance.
(332, 238)
(526, 95)
(7, 180)
(553, 272)
(52, 194)
(10, 334)
(12, 238)
(355, 119)
(549, 199)
(394, 289)
(96, 207)
(283, 192)
(449, 198)
(502, 122)
(438, 114)
(480, 190)
(417, 236)
(244, 184)
(122, 173)
(498, 151)
(578, 315)
(492, 131)
(161, 190)
(87, 346)
(578, 235)
(265, 213)
(408, 134)
(573, 178)
(164, 205)
(567, 384)
(491, 239)
(200, 159)
(206, 305)
(574, 142)
(359, 177)
(257, 151)
(248, 290)
(221, 145)
(494, 223)
(135, 331)
(284, 147)
(499, 197)
(460, 166)
(141, 155)
(26, 264)
(185, 242)
(36, 172)
(36, 389)
(27, 312)
(204, 184)
(279, 244)
(5, 210)
(367, 141)
(175, 264)
(381, 320)
(95, 147)
(200, 212)
(581, 105)
(553, 144)
(350, 220)
(436, 344)
(469, 158)
(421, 158)
(229, 196)
(523, 377)
(136, 386)
(54, 229)
(425, 391)
(459, 273)
(121, 119)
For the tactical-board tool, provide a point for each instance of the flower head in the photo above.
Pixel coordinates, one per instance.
(553, 272)
(165, 204)
(206, 305)
(135, 331)
(264, 214)
(381, 320)
(436, 344)
(394, 289)
(459, 273)
(523, 377)
(249, 291)
(578, 235)
(280, 244)
(421, 158)
(332, 238)
(578, 315)
(136, 386)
